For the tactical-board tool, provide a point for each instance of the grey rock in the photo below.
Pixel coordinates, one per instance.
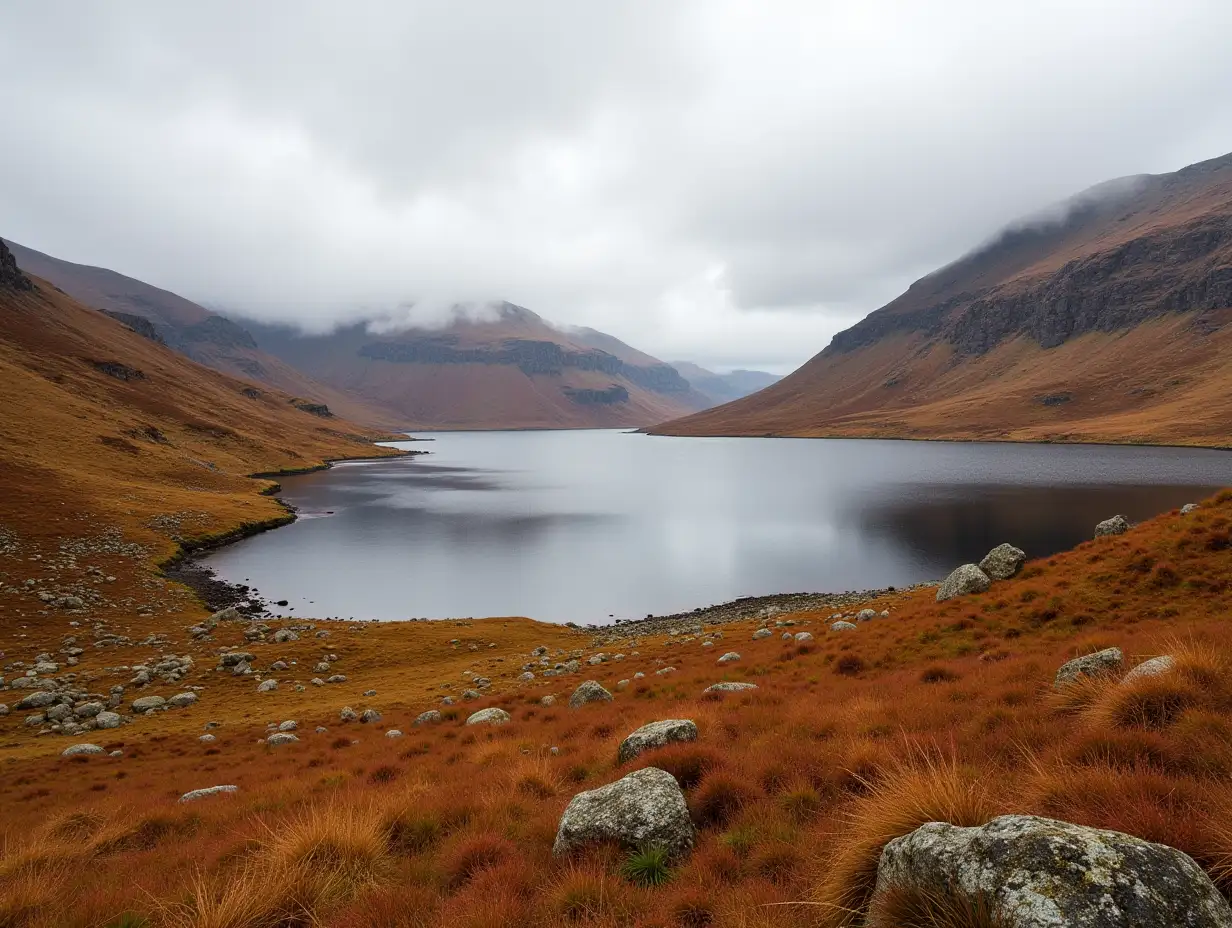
(231, 658)
(369, 716)
(964, 581)
(1117, 525)
(1151, 668)
(1188, 508)
(88, 710)
(347, 714)
(267, 686)
(589, 691)
(730, 687)
(842, 626)
(80, 749)
(278, 665)
(526, 677)
(288, 725)
(491, 716)
(207, 738)
(1091, 665)
(431, 717)
(803, 637)
(548, 700)
(194, 795)
(644, 808)
(182, 700)
(471, 694)
(1041, 873)
(393, 733)
(729, 658)
(280, 738)
(283, 635)
(762, 633)
(147, 703)
(108, 720)
(866, 615)
(336, 678)
(230, 614)
(1003, 562)
(656, 735)
(40, 699)
(59, 712)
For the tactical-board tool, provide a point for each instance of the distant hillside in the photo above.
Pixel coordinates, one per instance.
(1107, 321)
(504, 369)
(193, 330)
(723, 388)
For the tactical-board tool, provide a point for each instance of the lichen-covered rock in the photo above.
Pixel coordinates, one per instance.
(804, 637)
(1090, 665)
(431, 717)
(491, 716)
(1188, 508)
(841, 626)
(590, 691)
(1041, 873)
(762, 633)
(108, 719)
(1003, 562)
(195, 794)
(964, 581)
(181, 700)
(644, 808)
(729, 658)
(280, 738)
(656, 735)
(866, 615)
(729, 687)
(1117, 525)
(77, 750)
(369, 716)
(146, 703)
(1151, 668)
(40, 699)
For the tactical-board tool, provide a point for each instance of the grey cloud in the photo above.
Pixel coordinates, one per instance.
(726, 181)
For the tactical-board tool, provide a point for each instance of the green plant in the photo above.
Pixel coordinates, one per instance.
(649, 865)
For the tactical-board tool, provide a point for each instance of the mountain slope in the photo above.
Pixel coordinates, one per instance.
(723, 388)
(504, 369)
(191, 329)
(107, 431)
(1105, 323)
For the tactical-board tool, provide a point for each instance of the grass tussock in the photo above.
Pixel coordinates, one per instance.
(913, 907)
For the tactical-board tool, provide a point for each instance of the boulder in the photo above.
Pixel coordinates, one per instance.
(644, 808)
(393, 733)
(369, 716)
(729, 658)
(267, 686)
(230, 614)
(288, 725)
(79, 749)
(207, 739)
(729, 687)
(280, 738)
(1090, 665)
(964, 581)
(1117, 525)
(39, 699)
(194, 795)
(283, 635)
(1041, 873)
(347, 714)
(656, 735)
(1003, 562)
(803, 637)
(146, 703)
(762, 633)
(431, 717)
(841, 626)
(548, 700)
(182, 700)
(1152, 668)
(108, 720)
(590, 691)
(1188, 508)
(866, 615)
(491, 716)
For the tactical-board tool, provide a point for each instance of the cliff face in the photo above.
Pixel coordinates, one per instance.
(10, 274)
(1026, 337)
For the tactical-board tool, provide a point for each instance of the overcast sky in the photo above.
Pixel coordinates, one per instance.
(724, 182)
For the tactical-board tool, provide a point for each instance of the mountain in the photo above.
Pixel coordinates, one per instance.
(191, 329)
(723, 388)
(1106, 320)
(105, 430)
(503, 367)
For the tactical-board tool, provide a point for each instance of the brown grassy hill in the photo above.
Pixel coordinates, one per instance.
(119, 447)
(1108, 322)
(509, 369)
(206, 337)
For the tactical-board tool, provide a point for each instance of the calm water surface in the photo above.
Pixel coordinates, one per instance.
(585, 526)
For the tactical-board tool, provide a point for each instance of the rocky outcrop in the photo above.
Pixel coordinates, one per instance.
(656, 735)
(10, 274)
(1102, 662)
(644, 808)
(315, 409)
(139, 324)
(964, 581)
(1003, 562)
(1039, 873)
(1117, 525)
(613, 394)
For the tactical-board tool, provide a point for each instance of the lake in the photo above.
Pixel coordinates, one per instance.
(589, 526)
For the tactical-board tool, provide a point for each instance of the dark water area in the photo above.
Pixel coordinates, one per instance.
(589, 526)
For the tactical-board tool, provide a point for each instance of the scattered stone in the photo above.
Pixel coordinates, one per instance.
(1003, 562)
(1117, 525)
(729, 658)
(348, 714)
(431, 717)
(279, 738)
(181, 700)
(393, 733)
(337, 678)
(729, 687)
(803, 637)
(762, 633)
(1151, 668)
(39, 699)
(267, 686)
(471, 694)
(548, 700)
(526, 677)
(842, 626)
(866, 615)
(644, 808)
(491, 716)
(369, 716)
(1090, 665)
(207, 739)
(108, 720)
(964, 581)
(283, 635)
(590, 691)
(1041, 873)
(148, 703)
(194, 795)
(1188, 508)
(288, 725)
(369, 693)
(656, 735)
(79, 749)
